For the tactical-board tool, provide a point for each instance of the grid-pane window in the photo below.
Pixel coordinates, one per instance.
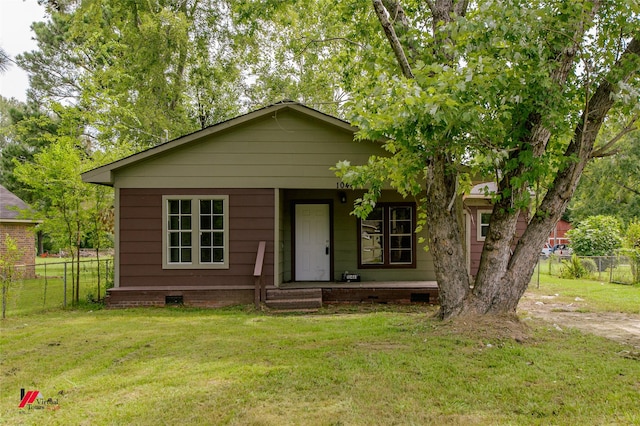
(387, 236)
(179, 230)
(400, 235)
(211, 231)
(196, 232)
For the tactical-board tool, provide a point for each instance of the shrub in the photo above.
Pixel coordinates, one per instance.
(596, 236)
(577, 268)
(589, 265)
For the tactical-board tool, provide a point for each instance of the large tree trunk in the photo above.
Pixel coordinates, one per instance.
(446, 237)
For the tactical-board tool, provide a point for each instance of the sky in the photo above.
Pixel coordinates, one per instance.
(16, 17)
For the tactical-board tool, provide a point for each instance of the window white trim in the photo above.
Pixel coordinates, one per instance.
(480, 225)
(196, 233)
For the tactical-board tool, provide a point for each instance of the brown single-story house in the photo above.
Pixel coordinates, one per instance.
(249, 210)
(15, 222)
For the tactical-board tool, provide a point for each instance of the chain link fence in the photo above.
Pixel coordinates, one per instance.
(50, 284)
(611, 269)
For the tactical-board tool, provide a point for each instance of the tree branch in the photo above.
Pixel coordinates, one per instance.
(623, 186)
(401, 26)
(326, 40)
(390, 32)
(606, 149)
(460, 8)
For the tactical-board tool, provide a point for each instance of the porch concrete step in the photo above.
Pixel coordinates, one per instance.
(294, 304)
(294, 293)
(294, 300)
(296, 311)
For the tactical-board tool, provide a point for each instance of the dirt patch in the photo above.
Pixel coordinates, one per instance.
(486, 328)
(623, 328)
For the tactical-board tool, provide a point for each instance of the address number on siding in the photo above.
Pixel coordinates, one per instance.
(342, 185)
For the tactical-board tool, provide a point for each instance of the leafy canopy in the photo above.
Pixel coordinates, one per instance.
(474, 102)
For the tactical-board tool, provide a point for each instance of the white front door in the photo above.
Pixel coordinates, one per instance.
(313, 238)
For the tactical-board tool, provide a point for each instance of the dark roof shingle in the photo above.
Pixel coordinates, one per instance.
(11, 206)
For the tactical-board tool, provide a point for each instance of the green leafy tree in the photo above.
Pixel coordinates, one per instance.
(67, 203)
(25, 131)
(610, 185)
(596, 236)
(512, 91)
(6, 105)
(305, 50)
(140, 72)
(9, 255)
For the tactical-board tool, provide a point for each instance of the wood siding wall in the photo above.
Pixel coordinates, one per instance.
(284, 151)
(251, 220)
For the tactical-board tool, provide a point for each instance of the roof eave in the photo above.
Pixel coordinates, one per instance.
(27, 221)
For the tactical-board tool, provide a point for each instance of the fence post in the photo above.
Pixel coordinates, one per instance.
(64, 300)
(98, 262)
(611, 270)
(44, 301)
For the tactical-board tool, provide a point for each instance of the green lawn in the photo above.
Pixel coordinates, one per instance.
(597, 296)
(353, 366)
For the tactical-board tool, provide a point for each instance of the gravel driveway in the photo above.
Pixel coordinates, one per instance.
(624, 328)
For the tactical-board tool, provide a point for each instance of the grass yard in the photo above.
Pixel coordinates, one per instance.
(371, 365)
(597, 296)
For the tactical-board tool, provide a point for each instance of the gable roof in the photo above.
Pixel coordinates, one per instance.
(104, 174)
(12, 207)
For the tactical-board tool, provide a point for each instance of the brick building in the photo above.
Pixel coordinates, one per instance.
(17, 224)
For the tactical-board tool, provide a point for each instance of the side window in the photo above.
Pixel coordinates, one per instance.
(195, 232)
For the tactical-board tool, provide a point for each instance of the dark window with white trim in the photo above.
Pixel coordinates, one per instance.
(387, 237)
(195, 232)
(484, 217)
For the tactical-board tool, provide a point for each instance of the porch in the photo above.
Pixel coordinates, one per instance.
(310, 295)
(297, 296)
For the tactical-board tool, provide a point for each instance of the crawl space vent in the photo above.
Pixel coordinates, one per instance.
(419, 297)
(173, 300)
